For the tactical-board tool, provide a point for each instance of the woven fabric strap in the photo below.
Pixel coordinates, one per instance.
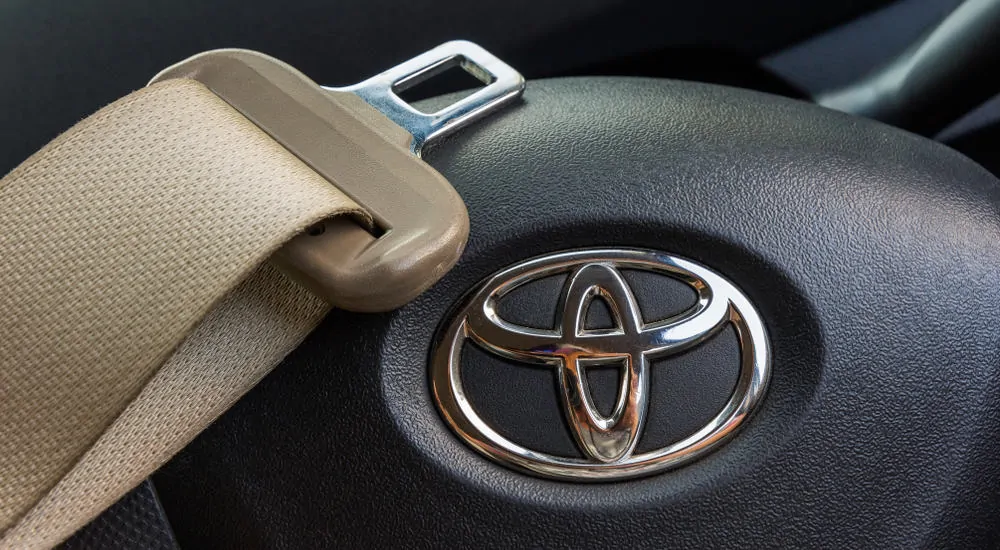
(137, 302)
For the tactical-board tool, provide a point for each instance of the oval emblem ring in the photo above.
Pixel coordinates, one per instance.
(606, 442)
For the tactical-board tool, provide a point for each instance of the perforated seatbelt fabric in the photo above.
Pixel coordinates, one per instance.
(137, 302)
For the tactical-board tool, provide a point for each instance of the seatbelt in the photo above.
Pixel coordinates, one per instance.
(163, 255)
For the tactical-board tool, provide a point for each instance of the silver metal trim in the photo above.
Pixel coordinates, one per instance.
(503, 84)
(607, 442)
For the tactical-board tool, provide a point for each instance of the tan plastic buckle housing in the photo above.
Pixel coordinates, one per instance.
(366, 141)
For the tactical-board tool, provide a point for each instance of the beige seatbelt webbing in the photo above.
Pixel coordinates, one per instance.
(154, 264)
(116, 240)
(240, 341)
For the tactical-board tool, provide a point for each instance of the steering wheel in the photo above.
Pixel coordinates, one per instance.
(870, 255)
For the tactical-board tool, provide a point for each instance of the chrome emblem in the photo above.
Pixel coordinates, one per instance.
(607, 442)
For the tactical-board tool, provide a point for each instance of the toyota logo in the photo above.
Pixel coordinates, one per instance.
(607, 442)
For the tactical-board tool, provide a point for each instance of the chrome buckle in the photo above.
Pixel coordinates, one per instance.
(503, 84)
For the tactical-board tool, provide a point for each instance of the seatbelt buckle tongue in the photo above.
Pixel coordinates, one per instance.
(365, 140)
(502, 84)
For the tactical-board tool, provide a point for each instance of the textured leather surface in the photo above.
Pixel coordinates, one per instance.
(871, 254)
(136, 521)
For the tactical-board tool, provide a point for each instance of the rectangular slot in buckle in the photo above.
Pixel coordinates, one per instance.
(503, 84)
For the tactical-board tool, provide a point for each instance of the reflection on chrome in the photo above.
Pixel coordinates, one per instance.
(608, 442)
